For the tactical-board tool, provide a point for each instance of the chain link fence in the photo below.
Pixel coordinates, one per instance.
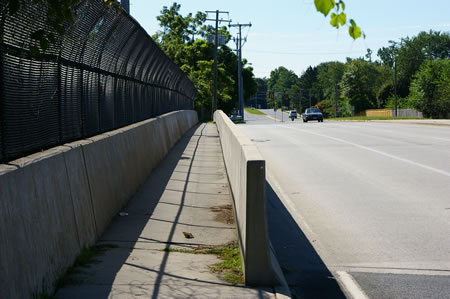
(104, 73)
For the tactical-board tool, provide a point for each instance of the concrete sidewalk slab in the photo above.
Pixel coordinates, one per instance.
(187, 193)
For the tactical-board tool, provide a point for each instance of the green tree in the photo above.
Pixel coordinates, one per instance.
(284, 83)
(179, 38)
(430, 89)
(309, 86)
(410, 53)
(329, 74)
(360, 84)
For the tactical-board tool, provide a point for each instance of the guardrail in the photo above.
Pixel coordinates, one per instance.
(246, 173)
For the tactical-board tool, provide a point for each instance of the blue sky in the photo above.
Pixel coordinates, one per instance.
(292, 34)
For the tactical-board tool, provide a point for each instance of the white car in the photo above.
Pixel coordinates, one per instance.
(293, 114)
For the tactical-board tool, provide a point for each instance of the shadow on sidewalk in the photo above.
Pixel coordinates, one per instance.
(140, 266)
(305, 272)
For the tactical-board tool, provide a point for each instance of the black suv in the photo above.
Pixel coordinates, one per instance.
(312, 114)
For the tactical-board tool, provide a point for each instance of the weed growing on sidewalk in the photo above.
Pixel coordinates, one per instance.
(230, 269)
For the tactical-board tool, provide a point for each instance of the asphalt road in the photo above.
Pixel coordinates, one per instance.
(367, 202)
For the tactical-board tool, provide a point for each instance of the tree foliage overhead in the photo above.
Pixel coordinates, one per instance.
(338, 17)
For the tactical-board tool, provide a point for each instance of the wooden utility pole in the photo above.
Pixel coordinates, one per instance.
(216, 42)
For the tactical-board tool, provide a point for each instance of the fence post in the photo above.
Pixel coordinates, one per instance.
(2, 115)
(60, 105)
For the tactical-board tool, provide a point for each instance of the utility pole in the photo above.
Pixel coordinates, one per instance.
(310, 98)
(238, 41)
(335, 99)
(309, 92)
(216, 42)
(395, 86)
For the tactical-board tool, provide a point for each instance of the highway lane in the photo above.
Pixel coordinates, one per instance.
(372, 198)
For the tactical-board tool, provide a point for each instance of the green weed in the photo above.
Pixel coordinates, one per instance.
(230, 268)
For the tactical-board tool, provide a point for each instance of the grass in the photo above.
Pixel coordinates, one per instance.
(230, 269)
(366, 118)
(254, 111)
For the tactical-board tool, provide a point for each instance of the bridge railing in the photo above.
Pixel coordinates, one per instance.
(105, 72)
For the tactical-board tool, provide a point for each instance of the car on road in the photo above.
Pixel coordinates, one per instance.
(293, 114)
(312, 114)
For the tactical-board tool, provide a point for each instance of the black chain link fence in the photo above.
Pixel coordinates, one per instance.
(104, 73)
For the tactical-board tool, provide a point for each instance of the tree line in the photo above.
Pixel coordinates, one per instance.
(413, 72)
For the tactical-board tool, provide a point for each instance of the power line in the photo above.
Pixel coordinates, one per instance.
(306, 53)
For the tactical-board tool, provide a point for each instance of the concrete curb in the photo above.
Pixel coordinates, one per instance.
(246, 171)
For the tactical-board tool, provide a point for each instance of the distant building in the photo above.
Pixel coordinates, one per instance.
(126, 5)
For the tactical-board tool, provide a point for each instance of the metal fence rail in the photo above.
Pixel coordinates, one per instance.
(104, 73)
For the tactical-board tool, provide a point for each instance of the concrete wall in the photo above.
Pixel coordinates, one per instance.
(54, 203)
(246, 173)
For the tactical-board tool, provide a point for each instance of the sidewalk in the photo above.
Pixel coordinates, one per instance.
(426, 122)
(185, 204)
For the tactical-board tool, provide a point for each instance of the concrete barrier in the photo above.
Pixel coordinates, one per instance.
(56, 202)
(246, 173)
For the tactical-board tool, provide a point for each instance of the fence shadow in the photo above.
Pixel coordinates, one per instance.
(305, 272)
(98, 280)
(141, 266)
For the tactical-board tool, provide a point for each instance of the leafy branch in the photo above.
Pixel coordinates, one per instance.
(338, 17)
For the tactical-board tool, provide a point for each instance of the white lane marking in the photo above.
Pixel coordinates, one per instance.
(443, 172)
(351, 285)
(363, 127)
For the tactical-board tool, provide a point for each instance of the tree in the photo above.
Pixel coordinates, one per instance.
(329, 74)
(359, 84)
(283, 82)
(308, 85)
(177, 38)
(430, 88)
(410, 53)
